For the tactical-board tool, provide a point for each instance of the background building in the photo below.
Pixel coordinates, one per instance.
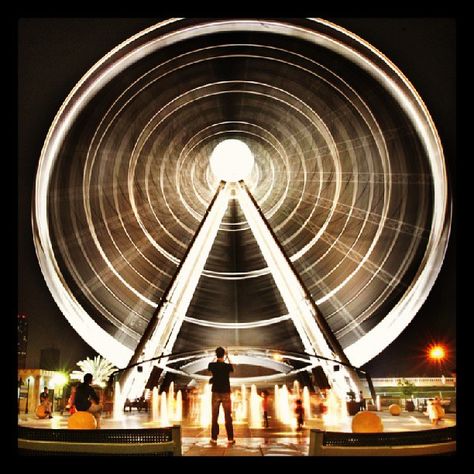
(22, 340)
(31, 383)
(49, 359)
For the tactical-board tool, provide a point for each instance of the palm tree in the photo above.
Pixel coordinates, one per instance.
(407, 389)
(100, 368)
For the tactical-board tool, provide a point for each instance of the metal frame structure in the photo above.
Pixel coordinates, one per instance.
(165, 324)
(161, 333)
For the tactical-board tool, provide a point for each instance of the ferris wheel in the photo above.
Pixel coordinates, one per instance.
(346, 173)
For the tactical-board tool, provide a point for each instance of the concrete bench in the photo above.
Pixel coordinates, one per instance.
(406, 443)
(117, 442)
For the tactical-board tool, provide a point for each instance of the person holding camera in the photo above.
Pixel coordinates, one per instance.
(220, 370)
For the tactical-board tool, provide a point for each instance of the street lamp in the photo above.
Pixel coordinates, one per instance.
(27, 394)
(58, 381)
(436, 352)
(20, 383)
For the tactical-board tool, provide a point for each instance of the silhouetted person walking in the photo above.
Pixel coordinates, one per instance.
(221, 394)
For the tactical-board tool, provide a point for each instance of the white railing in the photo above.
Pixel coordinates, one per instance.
(418, 381)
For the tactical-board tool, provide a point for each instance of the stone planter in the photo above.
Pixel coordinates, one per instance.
(394, 409)
(367, 422)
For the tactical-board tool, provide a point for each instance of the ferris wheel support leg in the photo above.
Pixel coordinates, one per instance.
(313, 329)
(163, 328)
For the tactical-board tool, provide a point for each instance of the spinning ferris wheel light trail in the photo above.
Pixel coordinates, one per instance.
(164, 327)
(330, 247)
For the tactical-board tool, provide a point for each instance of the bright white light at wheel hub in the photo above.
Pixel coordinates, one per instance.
(231, 160)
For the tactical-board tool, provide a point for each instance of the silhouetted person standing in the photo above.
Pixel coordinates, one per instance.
(265, 408)
(299, 412)
(221, 394)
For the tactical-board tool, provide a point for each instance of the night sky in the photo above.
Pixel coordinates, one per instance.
(53, 54)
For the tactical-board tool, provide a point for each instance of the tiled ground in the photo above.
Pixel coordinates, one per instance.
(278, 440)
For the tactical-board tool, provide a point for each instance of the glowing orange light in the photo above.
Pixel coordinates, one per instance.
(436, 352)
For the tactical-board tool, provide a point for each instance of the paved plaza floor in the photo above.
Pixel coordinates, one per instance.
(277, 440)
